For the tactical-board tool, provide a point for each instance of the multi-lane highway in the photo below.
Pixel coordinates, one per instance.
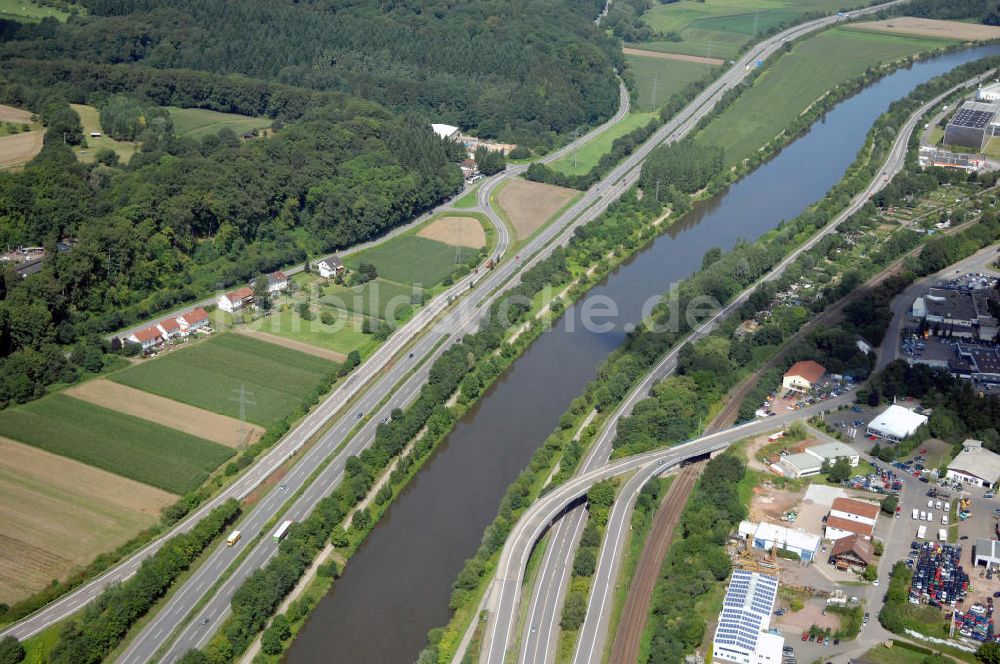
(594, 631)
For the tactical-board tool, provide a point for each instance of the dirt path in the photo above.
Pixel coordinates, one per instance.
(309, 349)
(672, 56)
(625, 649)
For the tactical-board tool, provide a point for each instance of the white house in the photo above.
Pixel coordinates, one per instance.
(848, 516)
(975, 465)
(193, 320)
(800, 465)
(276, 282)
(237, 299)
(169, 328)
(895, 423)
(147, 337)
(802, 375)
(742, 634)
(330, 267)
(833, 451)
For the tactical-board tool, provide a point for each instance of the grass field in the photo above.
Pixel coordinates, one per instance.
(342, 337)
(198, 122)
(409, 259)
(29, 12)
(587, 155)
(720, 28)
(91, 120)
(662, 77)
(210, 374)
(797, 80)
(469, 199)
(57, 514)
(379, 298)
(122, 444)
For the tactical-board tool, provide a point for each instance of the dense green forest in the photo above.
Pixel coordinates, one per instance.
(986, 11)
(524, 71)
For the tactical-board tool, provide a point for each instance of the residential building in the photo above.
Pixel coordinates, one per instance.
(853, 553)
(330, 267)
(190, 321)
(987, 552)
(147, 337)
(766, 536)
(742, 634)
(803, 375)
(169, 328)
(469, 168)
(833, 451)
(851, 517)
(895, 423)
(975, 465)
(800, 465)
(276, 282)
(237, 299)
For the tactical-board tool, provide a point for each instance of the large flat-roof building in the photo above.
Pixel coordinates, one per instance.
(975, 465)
(833, 451)
(972, 125)
(952, 312)
(987, 552)
(742, 634)
(764, 536)
(800, 465)
(895, 423)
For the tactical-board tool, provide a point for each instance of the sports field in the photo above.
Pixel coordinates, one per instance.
(797, 80)
(210, 374)
(379, 298)
(720, 28)
(30, 12)
(658, 78)
(343, 336)
(585, 157)
(122, 444)
(198, 122)
(410, 259)
(57, 514)
(91, 120)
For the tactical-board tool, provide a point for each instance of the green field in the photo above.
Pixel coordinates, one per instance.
(374, 298)
(209, 374)
(720, 28)
(198, 122)
(662, 77)
(797, 80)
(91, 120)
(469, 199)
(342, 337)
(30, 12)
(116, 442)
(409, 259)
(586, 156)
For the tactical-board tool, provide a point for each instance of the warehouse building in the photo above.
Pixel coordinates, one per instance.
(972, 125)
(895, 423)
(975, 465)
(987, 552)
(988, 93)
(800, 465)
(801, 376)
(833, 451)
(742, 634)
(766, 536)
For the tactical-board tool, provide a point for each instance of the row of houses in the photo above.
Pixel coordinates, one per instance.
(179, 326)
(243, 298)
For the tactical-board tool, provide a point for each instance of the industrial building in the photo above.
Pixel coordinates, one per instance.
(987, 552)
(800, 465)
(975, 465)
(743, 634)
(766, 536)
(988, 93)
(895, 423)
(955, 313)
(801, 376)
(974, 362)
(851, 517)
(972, 125)
(833, 451)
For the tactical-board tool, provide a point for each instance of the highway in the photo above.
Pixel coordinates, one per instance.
(590, 644)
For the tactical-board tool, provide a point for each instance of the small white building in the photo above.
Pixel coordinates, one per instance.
(147, 337)
(330, 267)
(446, 131)
(895, 423)
(169, 328)
(802, 375)
(276, 282)
(975, 465)
(800, 465)
(742, 634)
(191, 321)
(237, 299)
(767, 535)
(833, 451)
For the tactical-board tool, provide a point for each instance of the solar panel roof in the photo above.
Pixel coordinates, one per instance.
(972, 119)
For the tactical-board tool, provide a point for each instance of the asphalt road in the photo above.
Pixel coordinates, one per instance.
(590, 643)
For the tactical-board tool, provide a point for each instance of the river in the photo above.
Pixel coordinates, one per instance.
(396, 586)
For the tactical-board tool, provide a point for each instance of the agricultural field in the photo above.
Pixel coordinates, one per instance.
(118, 443)
(29, 12)
(379, 298)
(661, 76)
(528, 205)
(927, 27)
(57, 514)
(91, 120)
(200, 423)
(799, 79)
(288, 341)
(210, 374)
(457, 231)
(586, 156)
(198, 122)
(721, 28)
(18, 149)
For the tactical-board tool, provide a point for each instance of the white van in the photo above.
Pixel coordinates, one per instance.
(944, 519)
(930, 516)
(923, 515)
(938, 504)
